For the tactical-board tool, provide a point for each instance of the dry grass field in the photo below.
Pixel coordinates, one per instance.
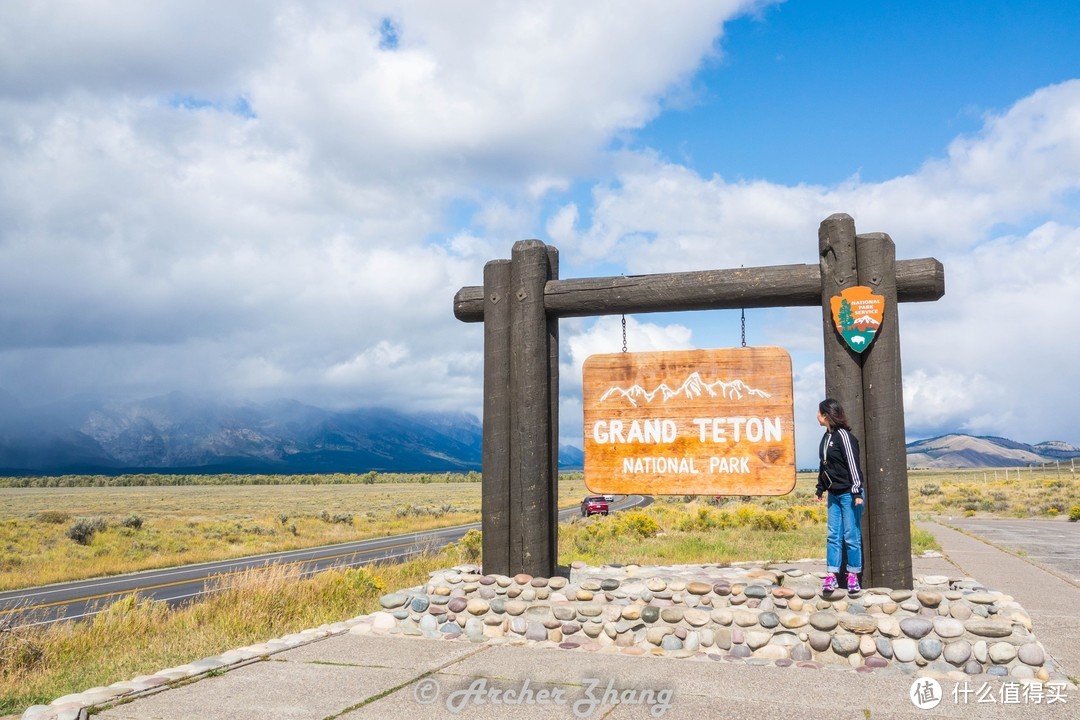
(143, 527)
(151, 527)
(1018, 492)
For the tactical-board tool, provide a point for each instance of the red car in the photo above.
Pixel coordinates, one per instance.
(594, 505)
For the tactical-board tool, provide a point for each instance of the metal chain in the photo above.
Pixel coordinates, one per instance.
(743, 311)
(624, 333)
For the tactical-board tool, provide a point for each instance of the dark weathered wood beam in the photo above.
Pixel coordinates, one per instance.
(888, 503)
(553, 417)
(531, 484)
(497, 496)
(843, 367)
(921, 280)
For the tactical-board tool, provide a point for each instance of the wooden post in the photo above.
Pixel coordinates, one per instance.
(843, 366)
(495, 497)
(553, 390)
(885, 453)
(839, 271)
(530, 419)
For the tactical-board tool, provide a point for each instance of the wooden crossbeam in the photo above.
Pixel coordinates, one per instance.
(921, 280)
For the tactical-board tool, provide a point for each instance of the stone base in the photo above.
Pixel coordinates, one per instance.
(947, 627)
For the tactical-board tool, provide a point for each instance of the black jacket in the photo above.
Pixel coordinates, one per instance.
(839, 455)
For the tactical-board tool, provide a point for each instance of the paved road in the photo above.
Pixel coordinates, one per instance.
(1053, 544)
(176, 585)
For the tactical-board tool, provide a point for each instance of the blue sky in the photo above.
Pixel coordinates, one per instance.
(272, 199)
(807, 93)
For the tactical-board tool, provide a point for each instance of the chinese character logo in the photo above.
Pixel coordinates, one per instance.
(925, 693)
(857, 314)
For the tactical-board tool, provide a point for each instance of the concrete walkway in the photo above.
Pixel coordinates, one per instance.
(355, 676)
(1049, 597)
(1053, 545)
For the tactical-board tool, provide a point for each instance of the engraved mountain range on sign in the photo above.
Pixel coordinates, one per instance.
(691, 388)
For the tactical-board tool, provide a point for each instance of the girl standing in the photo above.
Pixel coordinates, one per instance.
(841, 477)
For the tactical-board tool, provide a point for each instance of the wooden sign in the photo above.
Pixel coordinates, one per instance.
(697, 422)
(857, 313)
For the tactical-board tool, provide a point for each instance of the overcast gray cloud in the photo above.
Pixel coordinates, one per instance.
(265, 199)
(257, 199)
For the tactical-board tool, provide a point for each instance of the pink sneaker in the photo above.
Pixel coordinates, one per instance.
(853, 583)
(829, 584)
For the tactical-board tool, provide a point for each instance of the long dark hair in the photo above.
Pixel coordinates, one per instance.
(834, 413)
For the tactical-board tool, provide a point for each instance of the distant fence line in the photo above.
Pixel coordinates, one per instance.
(1053, 468)
(1031, 469)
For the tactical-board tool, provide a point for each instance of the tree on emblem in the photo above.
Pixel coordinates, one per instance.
(847, 319)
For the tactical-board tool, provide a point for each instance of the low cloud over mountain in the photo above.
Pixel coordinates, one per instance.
(179, 432)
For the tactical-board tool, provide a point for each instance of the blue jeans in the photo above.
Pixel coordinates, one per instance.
(845, 518)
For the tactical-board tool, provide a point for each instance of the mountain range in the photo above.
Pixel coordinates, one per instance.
(182, 433)
(968, 451)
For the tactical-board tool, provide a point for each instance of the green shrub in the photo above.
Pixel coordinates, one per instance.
(343, 518)
(1074, 513)
(82, 530)
(929, 489)
(773, 520)
(53, 517)
(752, 516)
(703, 519)
(636, 524)
(363, 581)
(470, 546)
(132, 521)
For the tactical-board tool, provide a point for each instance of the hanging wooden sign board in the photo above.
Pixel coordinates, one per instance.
(697, 422)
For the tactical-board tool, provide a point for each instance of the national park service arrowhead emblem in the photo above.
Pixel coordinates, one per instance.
(857, 313)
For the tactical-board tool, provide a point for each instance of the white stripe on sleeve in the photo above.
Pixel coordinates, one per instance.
(853, 466)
